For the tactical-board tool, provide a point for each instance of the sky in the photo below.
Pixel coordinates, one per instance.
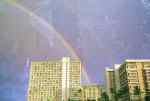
(100, 32)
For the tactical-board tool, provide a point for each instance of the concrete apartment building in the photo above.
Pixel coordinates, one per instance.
(91, 92)
(134, 73)
(110, 83)
(117, 79)
(54, 80)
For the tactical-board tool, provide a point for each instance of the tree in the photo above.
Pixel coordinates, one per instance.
(114, 94)
(99, 99)
(80, 90)
(137, 92)
(70, 99)
(122, 92)
(49, 99)
(147, 98)
(104, 96)
(119, 93)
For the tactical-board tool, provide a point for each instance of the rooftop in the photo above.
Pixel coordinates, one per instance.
(109, 69)
(137, 60)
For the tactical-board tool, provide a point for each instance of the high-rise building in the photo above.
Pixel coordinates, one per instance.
(117, 79)
(110, 83)
(135, 73)
(54, 80)
(91, 92)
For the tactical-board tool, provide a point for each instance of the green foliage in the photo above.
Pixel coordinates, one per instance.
(114, 93)
(147, 98)
(121, 92)
(80, 90)
(104, 97)
(99, 99)
(137, 90)
(49, 99)
(72, 100)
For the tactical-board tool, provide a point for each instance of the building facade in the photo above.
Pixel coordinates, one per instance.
(117, 79)
(54, 80)
(110, 83)
(91, 92)
(135, 73)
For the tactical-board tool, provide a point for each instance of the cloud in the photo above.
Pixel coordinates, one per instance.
(146, 3)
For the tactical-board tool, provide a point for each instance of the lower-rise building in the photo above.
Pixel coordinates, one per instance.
(91, 92)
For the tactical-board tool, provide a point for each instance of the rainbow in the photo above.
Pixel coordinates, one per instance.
(50, 28)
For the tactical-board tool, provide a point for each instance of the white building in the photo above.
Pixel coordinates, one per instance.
(57, 80)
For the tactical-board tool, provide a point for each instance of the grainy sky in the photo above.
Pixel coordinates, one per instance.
(102, 33)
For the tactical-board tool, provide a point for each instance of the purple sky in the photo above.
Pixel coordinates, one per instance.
(102, 32)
